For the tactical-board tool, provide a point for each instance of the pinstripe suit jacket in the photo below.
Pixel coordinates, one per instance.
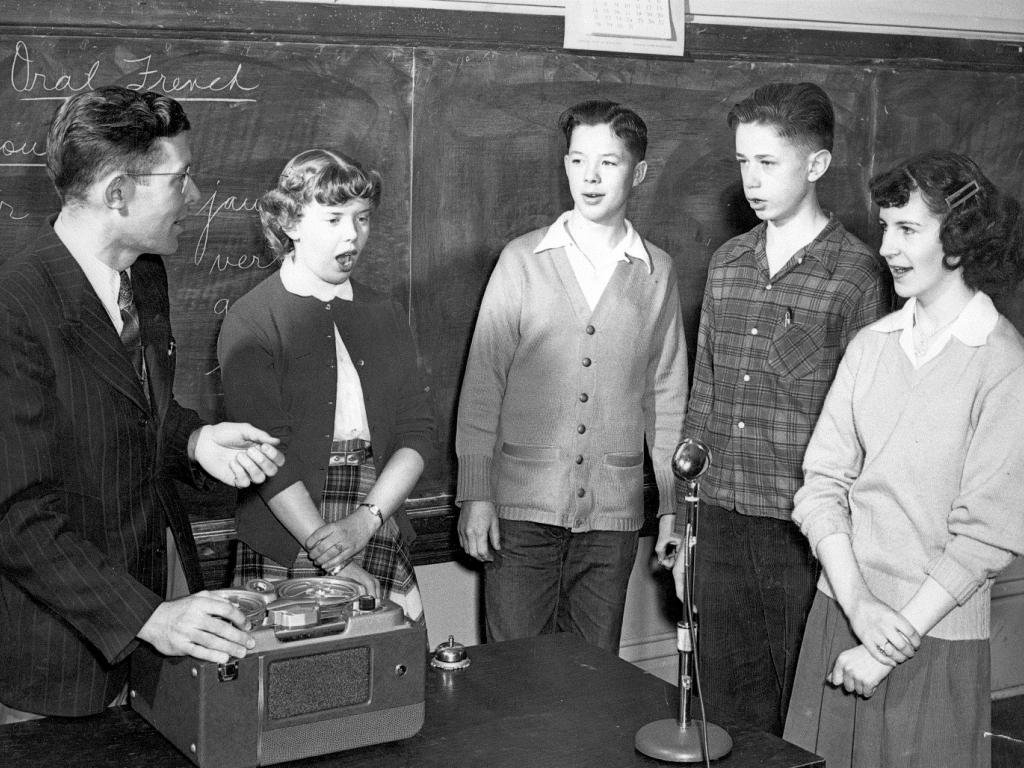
(86, 491)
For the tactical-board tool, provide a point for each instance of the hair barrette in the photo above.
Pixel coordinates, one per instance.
(962, 195)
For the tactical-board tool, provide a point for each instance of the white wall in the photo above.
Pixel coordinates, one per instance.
(981, 19)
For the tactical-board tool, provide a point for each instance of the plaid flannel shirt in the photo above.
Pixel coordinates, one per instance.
(767, 351)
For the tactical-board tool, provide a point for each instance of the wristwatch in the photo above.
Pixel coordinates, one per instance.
(374, 510)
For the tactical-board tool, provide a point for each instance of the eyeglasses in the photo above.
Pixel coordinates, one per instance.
(185, 176)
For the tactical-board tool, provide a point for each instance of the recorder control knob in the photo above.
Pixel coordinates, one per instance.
(366, 603)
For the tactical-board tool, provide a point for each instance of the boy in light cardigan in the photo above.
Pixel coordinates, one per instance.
(578, 357)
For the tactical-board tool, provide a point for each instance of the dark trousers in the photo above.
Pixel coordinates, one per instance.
(547, 579)
(755, 580)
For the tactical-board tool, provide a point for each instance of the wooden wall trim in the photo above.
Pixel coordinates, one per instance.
(327, 23)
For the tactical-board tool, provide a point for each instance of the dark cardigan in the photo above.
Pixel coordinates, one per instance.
(279, 371)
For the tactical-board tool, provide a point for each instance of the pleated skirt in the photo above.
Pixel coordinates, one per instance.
(386, 555)
(932, 711)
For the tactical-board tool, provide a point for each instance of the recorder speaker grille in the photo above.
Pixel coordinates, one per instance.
(303, 685)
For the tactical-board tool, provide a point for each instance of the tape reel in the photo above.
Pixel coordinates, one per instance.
(249, 603)
(322, 589)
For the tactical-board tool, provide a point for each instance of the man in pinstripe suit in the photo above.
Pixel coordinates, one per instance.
(90, 433)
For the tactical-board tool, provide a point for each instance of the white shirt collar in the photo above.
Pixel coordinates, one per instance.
(972, 327)
(298, 279)
(631, 246)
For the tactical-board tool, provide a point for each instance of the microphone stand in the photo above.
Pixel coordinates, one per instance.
(684, 739)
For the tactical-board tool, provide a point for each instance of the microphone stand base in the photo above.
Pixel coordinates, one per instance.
(667, 740)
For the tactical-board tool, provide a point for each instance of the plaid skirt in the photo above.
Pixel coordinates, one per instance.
(385, 557)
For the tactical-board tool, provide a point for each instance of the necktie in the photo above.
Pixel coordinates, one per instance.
(130, 335)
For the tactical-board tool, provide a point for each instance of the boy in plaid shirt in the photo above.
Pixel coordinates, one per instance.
(780, 305)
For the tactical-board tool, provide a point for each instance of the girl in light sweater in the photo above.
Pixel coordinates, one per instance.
(912, 480)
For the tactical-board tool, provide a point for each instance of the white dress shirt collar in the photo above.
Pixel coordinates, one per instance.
(972, 327)
(630, 246)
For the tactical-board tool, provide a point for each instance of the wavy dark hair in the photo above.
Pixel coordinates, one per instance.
(982, 229)
(109, 129)
(313, 176)
(800, 112)
(624, 122)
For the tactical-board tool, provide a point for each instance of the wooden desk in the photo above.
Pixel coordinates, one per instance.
(548, 702)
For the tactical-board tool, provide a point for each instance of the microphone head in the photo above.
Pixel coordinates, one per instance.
(691, 459)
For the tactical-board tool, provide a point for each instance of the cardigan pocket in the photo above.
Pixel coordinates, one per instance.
(620, 486)
(530, 477)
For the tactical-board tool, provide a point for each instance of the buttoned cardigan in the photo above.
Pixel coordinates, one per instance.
(279, 370)
(558, 399)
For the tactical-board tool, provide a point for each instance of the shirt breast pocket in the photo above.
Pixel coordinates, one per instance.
(796, 350)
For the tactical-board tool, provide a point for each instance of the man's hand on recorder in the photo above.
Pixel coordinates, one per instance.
(202, 625)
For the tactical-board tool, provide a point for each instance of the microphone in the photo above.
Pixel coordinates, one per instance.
(683, 739)
(691, 460)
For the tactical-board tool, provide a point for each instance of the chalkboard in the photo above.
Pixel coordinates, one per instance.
(251, 106)
(465, 139)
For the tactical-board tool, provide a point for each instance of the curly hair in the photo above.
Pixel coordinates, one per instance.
(982, 229)
(313, 176)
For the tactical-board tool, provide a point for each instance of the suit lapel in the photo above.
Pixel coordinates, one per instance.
(85, 324)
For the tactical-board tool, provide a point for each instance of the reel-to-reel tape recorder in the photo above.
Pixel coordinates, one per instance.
(333, 669)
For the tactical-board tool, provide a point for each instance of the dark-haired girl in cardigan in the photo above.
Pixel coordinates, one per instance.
(328, 366)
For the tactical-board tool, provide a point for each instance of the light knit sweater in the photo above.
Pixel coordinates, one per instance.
(557, 399)
(923, 467)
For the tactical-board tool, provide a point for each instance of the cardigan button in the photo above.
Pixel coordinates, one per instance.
(581, 492)
(586, 362)
(591, 330)
(581, 428)
(584, 397)
(359, 363)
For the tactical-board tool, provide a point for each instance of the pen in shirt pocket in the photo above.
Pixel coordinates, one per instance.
(787, 319)
(171, 345)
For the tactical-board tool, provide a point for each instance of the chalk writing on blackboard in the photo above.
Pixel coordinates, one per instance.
(35, 85)
(185, 88)
(210, 210)
(8, 211)
(22, 149)
(25, 79)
